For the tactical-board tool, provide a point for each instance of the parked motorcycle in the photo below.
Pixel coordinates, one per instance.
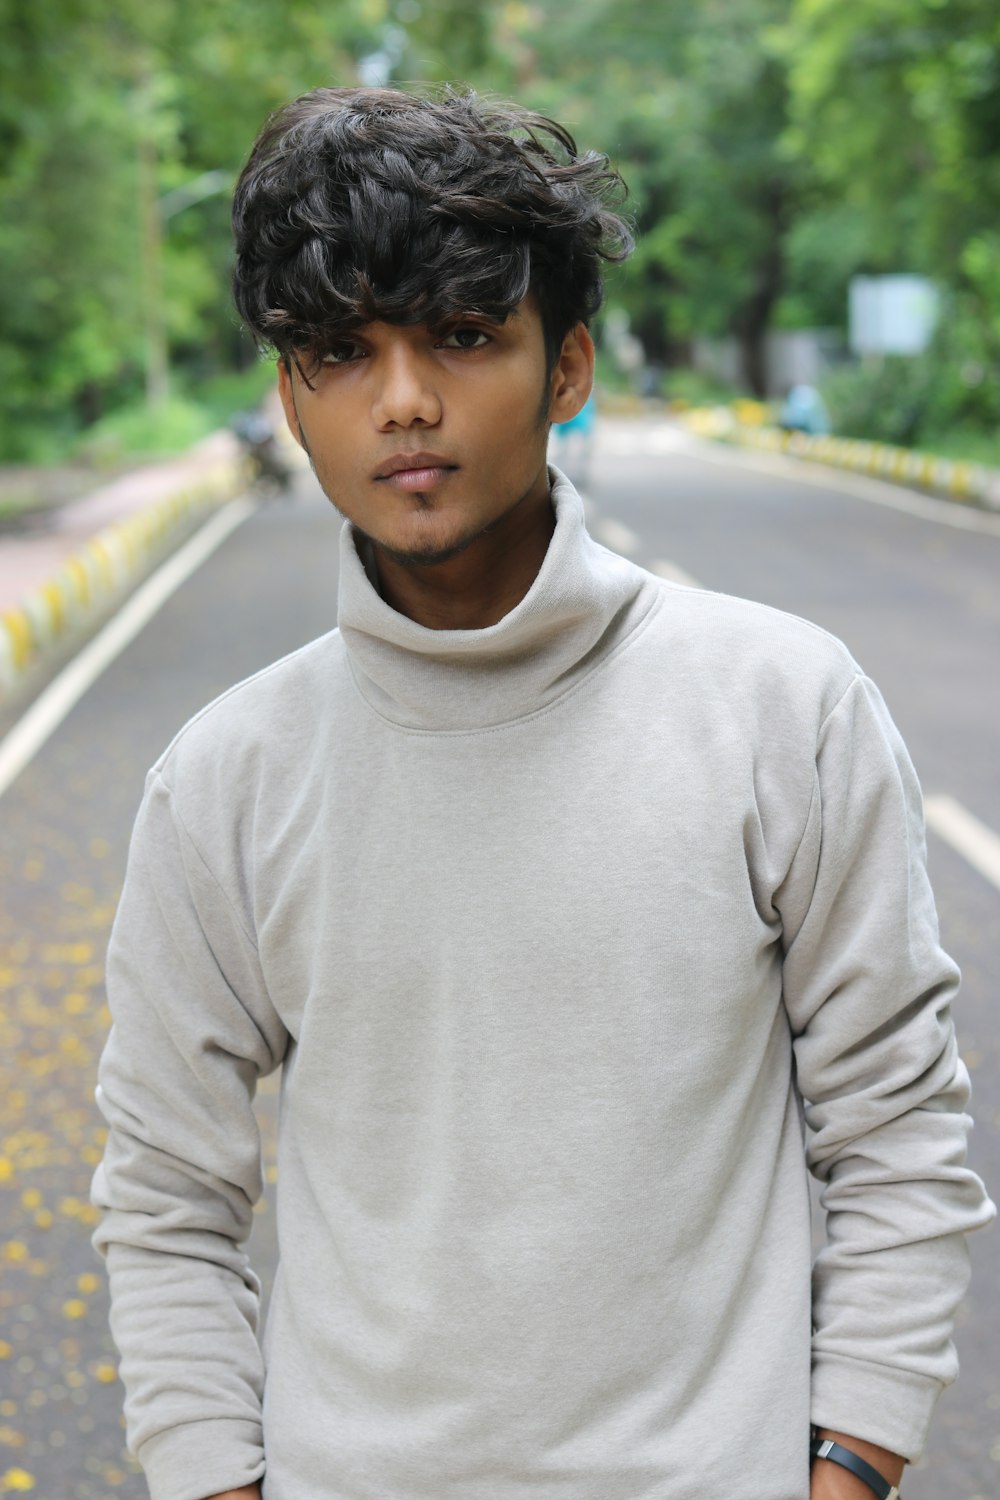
(271, 474)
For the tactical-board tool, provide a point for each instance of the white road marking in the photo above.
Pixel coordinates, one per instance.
(640, 439)
(965, 833)
(673, 574)
(590, 511)
(618, 537)
(621, 538)
(45, 715)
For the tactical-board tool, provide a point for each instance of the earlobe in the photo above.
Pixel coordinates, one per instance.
(573, 378)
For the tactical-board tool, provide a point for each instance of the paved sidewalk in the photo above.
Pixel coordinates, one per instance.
(30, 556)
(80, 557)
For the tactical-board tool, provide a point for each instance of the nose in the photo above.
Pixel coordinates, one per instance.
(405, 394)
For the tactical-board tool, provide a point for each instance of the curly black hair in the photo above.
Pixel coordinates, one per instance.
(361, 205)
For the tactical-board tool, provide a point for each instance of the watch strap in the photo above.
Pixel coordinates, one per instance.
(838, 1454)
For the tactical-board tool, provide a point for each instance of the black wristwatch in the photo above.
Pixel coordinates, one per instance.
(837, 1454)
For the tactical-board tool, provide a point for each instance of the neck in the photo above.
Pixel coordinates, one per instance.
(581, 602)
(481, 584)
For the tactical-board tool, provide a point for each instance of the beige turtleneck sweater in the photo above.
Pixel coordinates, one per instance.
(565, 932)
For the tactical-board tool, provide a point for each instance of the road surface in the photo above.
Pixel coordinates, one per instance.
(917, 601)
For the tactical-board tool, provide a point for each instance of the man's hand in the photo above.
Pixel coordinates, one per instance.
(248, 1492)
(831, 1482)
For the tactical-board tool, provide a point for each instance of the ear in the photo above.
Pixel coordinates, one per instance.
(573, 376)
(287, 393)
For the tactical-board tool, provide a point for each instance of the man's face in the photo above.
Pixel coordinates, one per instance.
(428, 438)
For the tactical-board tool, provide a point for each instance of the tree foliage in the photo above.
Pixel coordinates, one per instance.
(104, 109)
(773, 149)
(896, 106)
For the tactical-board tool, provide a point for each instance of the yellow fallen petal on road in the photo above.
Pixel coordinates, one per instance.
(106, 1374)
(17, 1479)
(88, 1282)
(74, 1308)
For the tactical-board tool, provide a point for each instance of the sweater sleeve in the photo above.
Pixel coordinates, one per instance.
(193, 1029)
(868, 990)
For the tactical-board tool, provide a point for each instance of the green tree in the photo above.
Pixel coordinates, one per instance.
(104, 110)
(896, 106)
(690, 102)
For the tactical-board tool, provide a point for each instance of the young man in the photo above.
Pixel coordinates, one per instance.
(560, 893)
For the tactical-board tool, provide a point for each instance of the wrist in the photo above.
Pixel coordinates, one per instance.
(849, 1468)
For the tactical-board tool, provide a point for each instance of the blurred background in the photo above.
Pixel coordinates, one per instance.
(784, 156)
(816, 189)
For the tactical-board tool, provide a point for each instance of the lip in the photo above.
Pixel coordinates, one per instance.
(402, 464)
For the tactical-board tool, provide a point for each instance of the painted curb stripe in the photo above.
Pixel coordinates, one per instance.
(103, 568)
(957, 479)
(960, 480)
(62, 694)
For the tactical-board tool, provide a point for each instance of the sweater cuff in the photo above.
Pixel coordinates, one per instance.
(201, 1459)
(877, 1403)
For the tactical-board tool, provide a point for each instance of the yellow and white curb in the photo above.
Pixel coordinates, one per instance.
(973, 484)
(104, 568)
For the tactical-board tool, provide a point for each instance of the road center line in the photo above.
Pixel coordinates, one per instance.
(621, 538)
(49, 709)
(966, 834)
(617, 536)
(673, 574)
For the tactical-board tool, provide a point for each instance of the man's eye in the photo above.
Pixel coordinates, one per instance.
(340, 354)
(465, 338)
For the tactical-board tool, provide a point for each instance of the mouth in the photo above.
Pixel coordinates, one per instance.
(414, 471)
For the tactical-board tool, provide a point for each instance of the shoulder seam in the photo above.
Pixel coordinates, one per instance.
(757, 606)
(859, 676)
(217, 883)
(231, 692)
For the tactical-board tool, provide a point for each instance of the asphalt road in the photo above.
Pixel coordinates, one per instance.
(917, 602)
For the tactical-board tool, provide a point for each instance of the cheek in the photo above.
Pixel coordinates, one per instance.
(514, 419)
(325, 434)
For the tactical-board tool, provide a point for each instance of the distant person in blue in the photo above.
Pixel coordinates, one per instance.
(804, 410)
(573, 442)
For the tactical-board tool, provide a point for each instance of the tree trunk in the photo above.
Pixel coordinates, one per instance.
(753, 322)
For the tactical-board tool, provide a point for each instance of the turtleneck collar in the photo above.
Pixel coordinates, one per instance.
(583, 603)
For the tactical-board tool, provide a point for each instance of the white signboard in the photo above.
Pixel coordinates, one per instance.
(891, 314)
